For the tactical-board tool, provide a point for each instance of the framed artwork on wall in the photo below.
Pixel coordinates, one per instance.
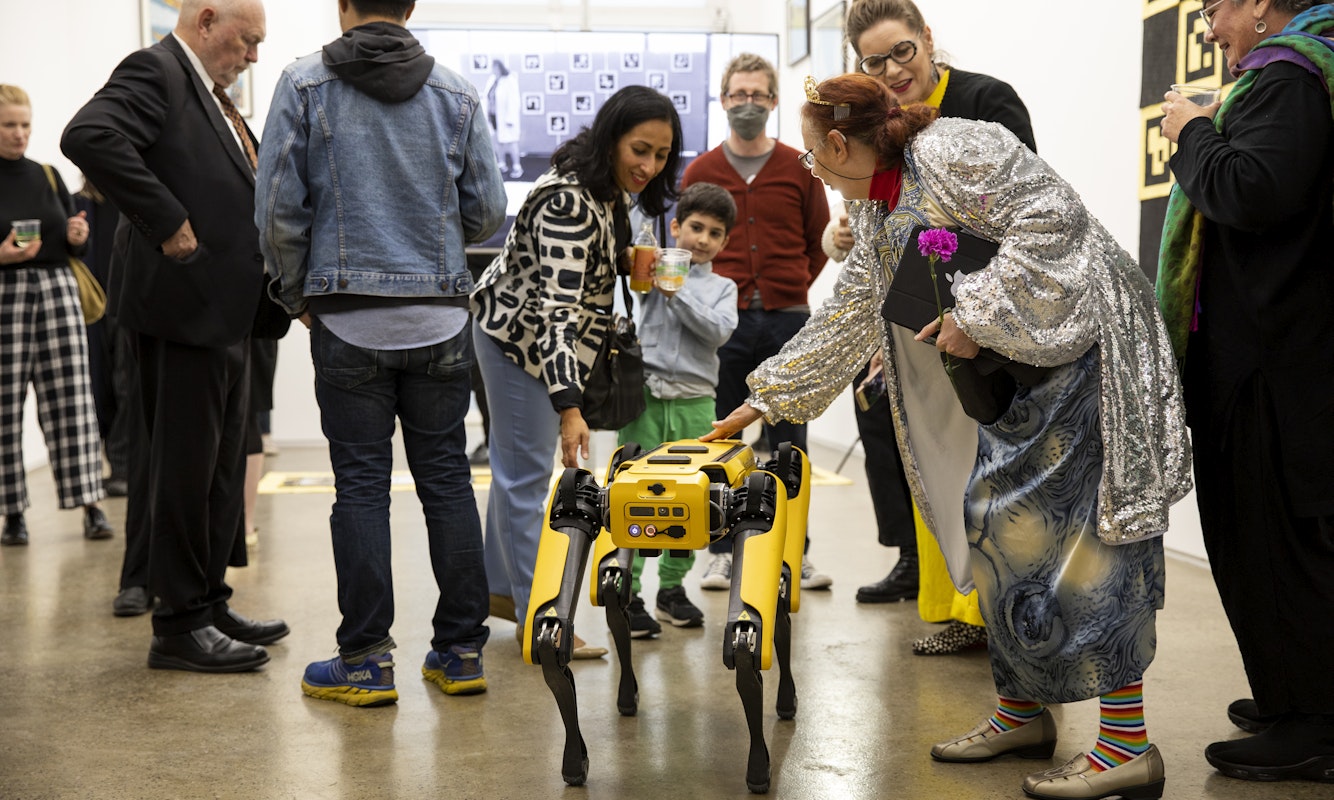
(798, 30)
(156, 19)
(829, 53)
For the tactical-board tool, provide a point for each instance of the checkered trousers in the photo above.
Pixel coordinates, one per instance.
(43, 342)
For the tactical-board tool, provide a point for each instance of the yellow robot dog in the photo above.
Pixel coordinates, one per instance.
(677, 497)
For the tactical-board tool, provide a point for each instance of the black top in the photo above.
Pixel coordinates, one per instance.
(25, 193)
(1267, 279)
(971, 95)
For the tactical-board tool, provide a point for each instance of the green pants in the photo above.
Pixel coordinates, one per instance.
(667, 421)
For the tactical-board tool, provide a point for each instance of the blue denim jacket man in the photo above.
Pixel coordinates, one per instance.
(375, 170)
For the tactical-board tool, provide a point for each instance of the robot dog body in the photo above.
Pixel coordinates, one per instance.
(679, 496)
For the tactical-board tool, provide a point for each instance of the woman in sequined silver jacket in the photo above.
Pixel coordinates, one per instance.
(1065, 497)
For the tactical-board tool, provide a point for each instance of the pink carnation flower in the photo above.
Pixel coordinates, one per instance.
(937, 243)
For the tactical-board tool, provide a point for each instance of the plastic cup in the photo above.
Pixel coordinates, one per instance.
(673, 266)
(26, 230)
(1199, 95)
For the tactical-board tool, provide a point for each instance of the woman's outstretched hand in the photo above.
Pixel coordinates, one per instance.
(734, 423)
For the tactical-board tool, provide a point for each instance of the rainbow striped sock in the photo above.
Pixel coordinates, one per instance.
(1011, 713)
(1121, 732)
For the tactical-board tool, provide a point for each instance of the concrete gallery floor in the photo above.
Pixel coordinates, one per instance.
(82, 717)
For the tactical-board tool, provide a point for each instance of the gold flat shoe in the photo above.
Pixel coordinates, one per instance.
(1036, 739)
(1140, 778)
(582, 651)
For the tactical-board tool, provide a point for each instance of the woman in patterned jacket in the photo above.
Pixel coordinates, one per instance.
(1070, 487)
(543, 309)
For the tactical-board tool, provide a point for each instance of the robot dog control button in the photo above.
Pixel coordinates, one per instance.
(663, 511)
(650, 531)
(634, 530)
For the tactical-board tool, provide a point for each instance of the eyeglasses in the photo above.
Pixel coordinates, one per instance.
(749, 97)
(1207, 14)
(901, 53)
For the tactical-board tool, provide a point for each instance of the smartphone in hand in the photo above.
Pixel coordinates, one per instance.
(870, 390)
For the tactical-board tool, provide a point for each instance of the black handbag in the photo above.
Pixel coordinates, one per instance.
(614, 388)
(985, 385)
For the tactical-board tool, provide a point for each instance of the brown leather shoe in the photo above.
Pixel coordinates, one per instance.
(1140, 778)
(1036, 739)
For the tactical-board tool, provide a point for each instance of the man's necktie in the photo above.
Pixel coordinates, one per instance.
(234, 115)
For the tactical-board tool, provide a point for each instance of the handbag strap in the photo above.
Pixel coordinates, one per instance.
(629, 299)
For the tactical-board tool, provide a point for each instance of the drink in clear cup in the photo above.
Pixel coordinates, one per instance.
(1199, 95)
(673, 266)
(26, 230)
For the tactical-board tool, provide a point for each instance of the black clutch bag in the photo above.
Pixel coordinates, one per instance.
(986, 384)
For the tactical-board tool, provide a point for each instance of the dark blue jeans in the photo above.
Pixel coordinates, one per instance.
(360, 393)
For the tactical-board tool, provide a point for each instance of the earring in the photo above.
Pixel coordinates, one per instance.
(1261, 27)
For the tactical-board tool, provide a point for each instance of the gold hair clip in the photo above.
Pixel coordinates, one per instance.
(841, 110)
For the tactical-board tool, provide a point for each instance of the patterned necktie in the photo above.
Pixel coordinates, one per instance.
(234, 115)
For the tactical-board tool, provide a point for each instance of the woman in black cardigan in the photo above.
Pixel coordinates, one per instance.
(42, 338)
(894, 44)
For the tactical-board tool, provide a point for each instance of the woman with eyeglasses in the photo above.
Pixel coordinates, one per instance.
(1064, 498)
(894, 45)
(1246, 287)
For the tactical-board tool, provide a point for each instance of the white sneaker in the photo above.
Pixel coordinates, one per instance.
(811, 578)
(719, 573)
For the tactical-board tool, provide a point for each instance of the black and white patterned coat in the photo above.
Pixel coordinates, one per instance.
(546, 300)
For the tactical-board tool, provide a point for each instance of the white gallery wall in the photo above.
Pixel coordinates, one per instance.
(1079, 77)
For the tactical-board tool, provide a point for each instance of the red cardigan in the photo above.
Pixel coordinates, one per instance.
(781, 216)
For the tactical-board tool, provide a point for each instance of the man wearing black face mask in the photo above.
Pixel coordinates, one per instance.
(773, 254)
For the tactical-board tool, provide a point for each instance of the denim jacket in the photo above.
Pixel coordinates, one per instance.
(359, 195)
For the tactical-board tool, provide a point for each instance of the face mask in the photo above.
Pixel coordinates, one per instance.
(747, 120)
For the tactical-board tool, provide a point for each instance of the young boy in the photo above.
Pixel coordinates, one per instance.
(681, 332)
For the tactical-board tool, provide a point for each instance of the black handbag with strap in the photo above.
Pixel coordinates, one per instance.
(614, 388)
(986, 384)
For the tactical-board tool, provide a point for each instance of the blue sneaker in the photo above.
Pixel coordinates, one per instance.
(370, 683)
(458, 670)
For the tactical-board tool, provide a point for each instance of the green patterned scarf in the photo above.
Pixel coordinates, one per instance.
(1183, 226)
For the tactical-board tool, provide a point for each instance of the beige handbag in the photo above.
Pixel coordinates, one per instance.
(92, 297)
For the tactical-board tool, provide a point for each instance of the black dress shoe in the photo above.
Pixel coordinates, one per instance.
(204, 650)
(16, 531)
(95, 523)
(1246, 715)
(900, 584)
(248, 630)
(1296, 747)
(132, 602)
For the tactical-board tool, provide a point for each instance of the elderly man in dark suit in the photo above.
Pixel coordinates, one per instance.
(168, 147)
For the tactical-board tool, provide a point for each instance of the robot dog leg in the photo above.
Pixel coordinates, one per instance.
(757, 601)
(572, 523)
(793, 469)
(612, 589)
